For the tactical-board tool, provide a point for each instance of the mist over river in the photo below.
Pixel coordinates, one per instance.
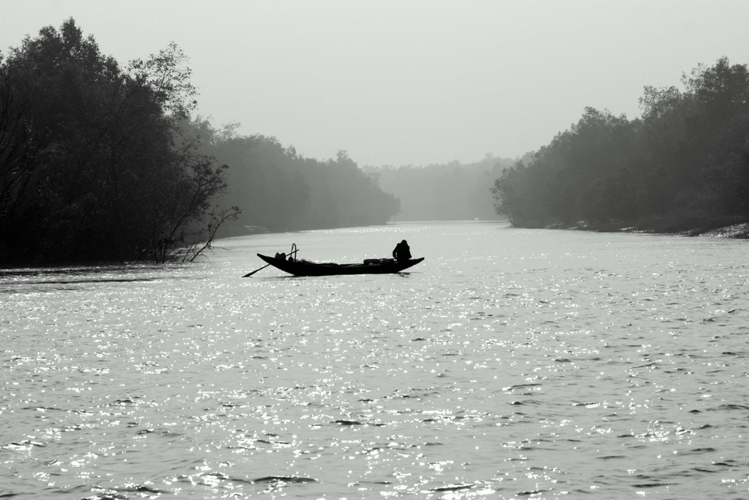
(510, 363)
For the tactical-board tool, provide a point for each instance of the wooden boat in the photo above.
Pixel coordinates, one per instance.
(369, 266)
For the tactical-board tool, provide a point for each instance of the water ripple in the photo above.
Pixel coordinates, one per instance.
(550, 364)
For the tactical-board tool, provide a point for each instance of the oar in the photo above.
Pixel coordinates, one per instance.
(266, 265)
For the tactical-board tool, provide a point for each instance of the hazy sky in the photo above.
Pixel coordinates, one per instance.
(409, 81)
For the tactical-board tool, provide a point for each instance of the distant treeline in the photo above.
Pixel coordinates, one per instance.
(451, 191)
(682, 166)
(279, 190)
(103, 163)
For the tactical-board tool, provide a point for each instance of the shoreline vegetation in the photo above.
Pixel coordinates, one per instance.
(95, 164)
(682, 167)
(106, 163)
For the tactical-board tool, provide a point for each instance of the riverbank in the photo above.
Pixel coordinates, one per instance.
(717, 227)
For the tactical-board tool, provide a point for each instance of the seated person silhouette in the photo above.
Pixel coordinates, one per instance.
(402, 251)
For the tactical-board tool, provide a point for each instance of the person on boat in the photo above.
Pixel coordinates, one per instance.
(402, 251)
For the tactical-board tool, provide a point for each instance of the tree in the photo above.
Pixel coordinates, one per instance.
(279, 190)
(681, 166)
(93, 162)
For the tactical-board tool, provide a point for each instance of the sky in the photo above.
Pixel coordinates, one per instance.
(408, 82)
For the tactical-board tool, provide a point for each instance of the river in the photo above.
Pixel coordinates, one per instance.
(509, 364)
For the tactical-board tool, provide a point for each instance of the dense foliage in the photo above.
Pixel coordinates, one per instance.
(280, 190)
(682, 166)
(451, 191)
(92, 164)
(103, 163)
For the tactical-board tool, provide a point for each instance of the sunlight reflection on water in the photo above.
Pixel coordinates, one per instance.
(509, 363)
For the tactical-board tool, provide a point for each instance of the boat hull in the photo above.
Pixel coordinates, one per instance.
(304, 268)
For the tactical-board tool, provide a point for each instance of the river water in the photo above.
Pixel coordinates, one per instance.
(509, 364)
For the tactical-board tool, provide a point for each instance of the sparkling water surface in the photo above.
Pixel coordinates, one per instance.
(509, 364)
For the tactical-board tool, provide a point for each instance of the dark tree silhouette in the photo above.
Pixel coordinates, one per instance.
(93, 166)
(681, 166)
